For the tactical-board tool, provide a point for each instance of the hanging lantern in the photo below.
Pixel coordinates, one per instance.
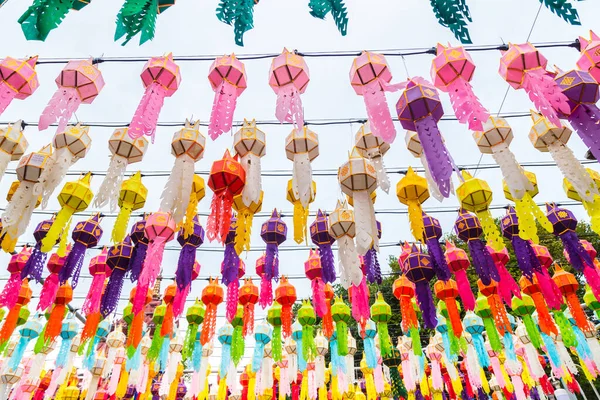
(13, 143)
(524, 67)
(132, 197)
(54, 325)
(227, 180)
(532, 289)
(249, 144)
(51, 283)
(285, 295)
(381, 314)
(248, 297)
(29, 331)
(484, 311)
(589, 60)
(17, 214)
(327, 319)
(14, 314)
(475, 327)
(508, 287)
(373, 148)
(35, 263)
(451, 71)
(140, 242)
(119, 260)
(212, 296)
(404, 290)
(342, 228)
(273, 233)
(528, 261)
(232, 270)
(274, 318)
(591, 207)
(358, 179)
(227, 76)
(18, 80)
(419, 109)
(412, 192)
(448, 292)
(393, 361)
(225, 337)
(340, 312)
(419, 270)
(319, 233)
(568, 285)
(307, 318)
(161, 78)
(99, 270)
(313, 271)
(10, 293)
(187, 146)
(266, 286)
(80, 81)
(458, 262)
(499, 315)
(370, 78)
(194, 316)
(134, 18)
(289, 77)
(524, 308)
(432, 234)
(125, 150)
(186, 264)
(300, 212)
(243, 224)
(262, 335)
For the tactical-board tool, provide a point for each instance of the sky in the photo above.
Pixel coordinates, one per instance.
(191, 28)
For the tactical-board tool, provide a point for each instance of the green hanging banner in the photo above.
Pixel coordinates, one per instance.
(240, 14)
(454, 15)
(564, 9)
(139, 16)
(44, 15)
(337, 8)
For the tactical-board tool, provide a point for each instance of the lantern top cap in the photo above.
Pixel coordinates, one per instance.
(585, 42)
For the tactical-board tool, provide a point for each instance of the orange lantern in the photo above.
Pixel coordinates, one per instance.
(54, 325)
(10, 322)
(212, 296)
(545, 321)
(568, 285)
(448, 292)
(496, 306)
(327, 323)
(404, 290)
(285, 294)
(168, 298)
(248, 298)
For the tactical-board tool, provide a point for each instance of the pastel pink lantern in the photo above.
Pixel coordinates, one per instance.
(18, 80)
(370, 77)
(80, 81)
(289, 78)
(161, 78)
(227, 76)
(524, 67)
(452, 70)
(590, 55)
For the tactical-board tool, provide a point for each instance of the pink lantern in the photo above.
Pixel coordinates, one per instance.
(370, 77)
(80, 81)
(590, 55)
(452, 70)
(161, 78)
(227, 76)
(524, 67)
(289, 78)
(18, 80)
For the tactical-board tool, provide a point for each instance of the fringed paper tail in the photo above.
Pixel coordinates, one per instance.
(137, 261)
(61, 106)
(7, 94)
(512, 172)
(378, 111)
(91, 325)
(302, 179)
(426, 304)
(152, 266)
(360, 302)
(545, 321)
(54, 324)
(438, 158)
(492, 235)
(545, 94)
(92, 301)
(219, 220)
(431, 183)
(208, 326)
(48, 293)
(10, 293)
(233, 290)
(415, 217)
(300, 222)
(464, 290)
(440, 265)
(289, 106)
(112, 293)
(180, 300)
(467, 107)
(176, 194)
(120, 227)
(266, 292)
(572, 169)
(507, 287)
(366, 225)
(271, 259)
(16, 209)
(481, 261)
(549, 289)
(73, 263)
(5, 158)
(243, 230)
(327, 263)
(318, 300)
(54, 173)
(146, 115)
(185, 265)
(221, 116)
(350, 272)
(253, 185)
(108, 193)
(586, 122)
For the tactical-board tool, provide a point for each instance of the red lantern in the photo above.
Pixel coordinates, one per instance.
(404, 290)
(48, 293)
(227, 179)
(212, 296)
(285, 294)
(266, 287)
(314, 271)
(458, 262)
(248, 298)
(8, 297)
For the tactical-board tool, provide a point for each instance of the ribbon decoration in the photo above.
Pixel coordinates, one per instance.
(240, 14)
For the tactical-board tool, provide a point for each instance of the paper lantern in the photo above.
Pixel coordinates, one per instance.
(80, 81)
(508, 287)
(30, 330)
(419, 270)
(132, 197)
(370, 78)
(35, 263)
(74, 197)
(161, 78)
(393, 361)
(140, 242)
(313, 271)
(12, 141)
(227, 179)
(319, 233)
(568, 285)
(51, 283)
(451, 71)
(212, 296)
(8, 378)
(419, 109)
(14, 315)
(18, 79)
(524, 308)
(524, 67)
(591, 207)
(342, 228)
(432, 232)
(302, 147)
(17, 214)
(134, 18)
(404, 291)
(448, 292)
(99, 270)
(227, 77)
(187, 146)
(289, 77)
(266, 285)
(590, 60)
(532, 289)
(412, 191)
(262, 335)
(54, 324)
(381, 314)
(125, 150)
(248, 297)
(249, 144)
(285, 295)
(186, 264)
(274, 318)
(273, 233)
(232, 269)
(243, 225)
(499, 315)
(10, 292)
(474, 326)
(340, 312)
(118, 259)
(358, 179)
(458, 262)
(194, 316)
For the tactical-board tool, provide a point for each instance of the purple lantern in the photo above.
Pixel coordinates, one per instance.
(273, 232)
(35, 264)
(582, 93)
(371, 263)
(468, 228)
(418, 268)
(229, 269)
(564, 224)
(118, 259)
(419, 109)
(140, 243)
(185, 264)
(319, 233)
(432, 232)
(86, 234)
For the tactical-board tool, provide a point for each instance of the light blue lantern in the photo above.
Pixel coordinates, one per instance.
(262, 334)
(101, 332)
(369, 344)
(297, 337)
(225, 336)
(474, 325)
(67, 333)
(29, 331)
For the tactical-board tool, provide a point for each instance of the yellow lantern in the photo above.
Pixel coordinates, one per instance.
(412, 191)
(592, 207)
(300, 212)
(74, 197)
(132, 197)
(245, 215)
(71, 393)
(197, 194)
(475, 195)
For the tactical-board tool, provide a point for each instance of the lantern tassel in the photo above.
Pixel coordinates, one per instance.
(266, 292)
(243, 230)
(492, 234)
(327, 263)
(507, 287)
(180, 300)
(110, 186)
(19, 208)
(360, 302)
(10, 293)
(415, 217)
(302, 179)
(233, 291)
(48, 293)
(120, 227)
(57, 166)
(221, 116)
(551, 292)
(572, 169)
(150, 271)
(248, 319)
(208, 327)
(176, 194)
(60, 222)
(516, 180)
(134, 336)
(137, 260)
(440, 265)
(9, 325)
(289, 106)
(185, 265)
(73, 263)
(112, 292)
(464, 289)
(483, 262)
(300, 222)
(318, 291)
(7, 94)
(219, 220)
(91, 325)
(438, 158)
(94, 296)
(383, 181)
(585, 119)
(366, 225)
(253, 186)
(426, 304)
(466, 105)
(146, 115)
(545, 94)
(54, 324)
(378, 111)
(350, 272)
(60, 108)
(35, 264)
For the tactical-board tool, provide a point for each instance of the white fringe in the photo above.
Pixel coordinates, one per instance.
(513, 174)
(178, 189)
(253, 186)
(55, 171)
(433, 188)
(5, 158)
(302, 178)
(111, 185)
(366, 225)
(382, 178)
(350, 272)
(572, 169)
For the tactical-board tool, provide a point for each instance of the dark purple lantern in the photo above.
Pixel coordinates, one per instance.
(582, 91)
(35, 264)
(181, 390)
(468, 228)
(187, 256)
(319, 233)
(372, 269)
(418, 268)
(230, 268)
(119, 260)
(129, 393)
(273, 232)
(432, 232)
(86, 234)
(140, 243)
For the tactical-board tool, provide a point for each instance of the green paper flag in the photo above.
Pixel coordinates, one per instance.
(454, 15)
(564, 9)
(139, 16)
(45, 15)
(240, 14)
(337, 8)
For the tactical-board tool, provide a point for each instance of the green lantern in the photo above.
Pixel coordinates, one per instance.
(274, 318)
(238, 344)
(381, 314)
(340, 313)
(23, 315)
(194, 317)
(157, 339)
(393, 361)
(590, 300)
(308, 318)
(483, 309)
(524, 308)
(128, 315)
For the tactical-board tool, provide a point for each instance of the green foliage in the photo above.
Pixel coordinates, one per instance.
(240, 14)
(563, 9)
(453, 14)
(42, 17)
(337, 8)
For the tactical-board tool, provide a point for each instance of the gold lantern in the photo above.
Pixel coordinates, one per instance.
(131, 197)
(412, 191)
(250, 145)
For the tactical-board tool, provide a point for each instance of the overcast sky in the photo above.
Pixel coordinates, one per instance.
(191, 28)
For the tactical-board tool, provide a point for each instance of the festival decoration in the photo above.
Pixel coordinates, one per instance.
(419, 270)
(419, 109)
(132, 197)
(591, 207)
(18, 80)
(458, 262)
(119, 260)
(232, 270)
(373, 148)
(51, 283)
(134, 18)
(500, 317)
(227, 180)
(404, 291)
(12, 319)
(248, 297)
(274, 318)
(212, 296)
(285, 296)
(59, 309)
(28, 332)
(524, 308)
(10, 292)
(448, 292)
(413, 145)
(568, 285)
(99, 270)
(273, 233)
(227, 77)
(300, 212)
(474, 326)
(508, 287)
(432, 234)
(314, 272)
(412, 191)
(45, 15)
(188, 268)
(140, 242)
(307, 318)
(337, 8)
(484, 310)
(340, 312)
(393, 361)
(289, 77)
(240, 15)
(250, 146)
(451, 71)
(35, 263)
(524, 67)
(589, 60)
(381, 314)
(319, 233)
(342, 228)
(194, 316)
(13, 143)
(544, 319)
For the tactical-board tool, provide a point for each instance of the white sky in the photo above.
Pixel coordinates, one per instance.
(191, 28)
